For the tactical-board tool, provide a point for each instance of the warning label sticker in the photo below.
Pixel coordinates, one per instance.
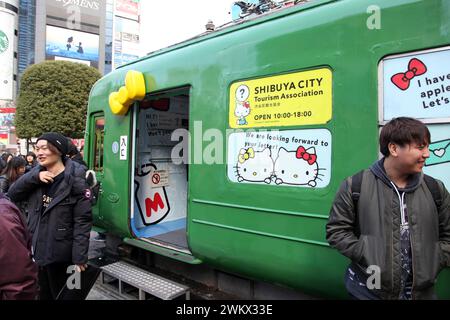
(160, 178)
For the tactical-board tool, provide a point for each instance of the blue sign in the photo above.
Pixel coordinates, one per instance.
(438, 164)
(115, 147)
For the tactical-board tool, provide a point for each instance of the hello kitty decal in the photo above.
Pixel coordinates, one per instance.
(288, 158)
(254, 166)
(298, 167)
(242, 109)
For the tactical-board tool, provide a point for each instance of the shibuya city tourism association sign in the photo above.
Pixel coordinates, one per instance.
(4, 42)
(88, 4)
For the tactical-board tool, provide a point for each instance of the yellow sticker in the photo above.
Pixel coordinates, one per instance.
(294, 99)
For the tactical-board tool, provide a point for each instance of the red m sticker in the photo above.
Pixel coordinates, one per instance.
(152, 205)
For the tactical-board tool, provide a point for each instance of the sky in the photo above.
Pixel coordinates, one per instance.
(164, 23)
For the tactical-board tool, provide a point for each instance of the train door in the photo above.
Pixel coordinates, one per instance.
(96, 149)
(160, 174)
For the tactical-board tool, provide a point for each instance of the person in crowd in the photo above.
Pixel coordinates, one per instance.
(60, 217)
(2, 164)
(31, 161)
(7, 157)
(4, 159)
(75, 155)
(395, 227)
(14, 169)
(18, 272)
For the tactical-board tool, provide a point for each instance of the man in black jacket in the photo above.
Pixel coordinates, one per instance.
(60, 217)
(397, 232)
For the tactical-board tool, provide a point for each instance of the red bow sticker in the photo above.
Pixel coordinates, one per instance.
(302, 154)
(415, 68)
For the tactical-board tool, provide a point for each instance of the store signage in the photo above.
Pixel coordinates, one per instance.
(89, 4)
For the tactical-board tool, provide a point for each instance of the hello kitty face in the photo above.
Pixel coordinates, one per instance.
(242, 109)
(254, 166)
(297, 167)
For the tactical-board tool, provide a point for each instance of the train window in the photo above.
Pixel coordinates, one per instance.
(416, 84)
(98, 143)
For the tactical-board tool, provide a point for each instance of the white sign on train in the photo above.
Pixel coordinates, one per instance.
(416, 85)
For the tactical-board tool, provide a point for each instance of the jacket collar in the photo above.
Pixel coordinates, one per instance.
(379, 171)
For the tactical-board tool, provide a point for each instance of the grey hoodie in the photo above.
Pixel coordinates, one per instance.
(379, 171)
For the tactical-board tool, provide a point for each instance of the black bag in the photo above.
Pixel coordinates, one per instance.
(87, 281)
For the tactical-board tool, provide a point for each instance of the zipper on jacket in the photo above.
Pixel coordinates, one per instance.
(404, 223)
(412, 263)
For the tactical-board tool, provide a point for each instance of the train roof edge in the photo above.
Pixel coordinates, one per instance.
(234, 26)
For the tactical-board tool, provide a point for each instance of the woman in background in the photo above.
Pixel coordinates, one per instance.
(14, 169)
(31, 161)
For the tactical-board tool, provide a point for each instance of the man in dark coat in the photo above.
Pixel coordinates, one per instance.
(60, 217)
(18, 272)
(396, 232)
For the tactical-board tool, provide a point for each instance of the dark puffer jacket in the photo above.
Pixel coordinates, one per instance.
(372, 236)
(4, 184)
(61, 232)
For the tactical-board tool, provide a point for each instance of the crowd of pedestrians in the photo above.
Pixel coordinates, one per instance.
(45, 219)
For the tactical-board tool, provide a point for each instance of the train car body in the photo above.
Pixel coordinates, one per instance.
(306, 87)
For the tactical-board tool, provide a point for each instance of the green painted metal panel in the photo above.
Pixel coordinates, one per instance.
(274, 233)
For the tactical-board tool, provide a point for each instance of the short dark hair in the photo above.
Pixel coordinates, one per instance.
(402, 131)
(32, 154)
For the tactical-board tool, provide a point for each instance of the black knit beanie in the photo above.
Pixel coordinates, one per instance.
(56, 139)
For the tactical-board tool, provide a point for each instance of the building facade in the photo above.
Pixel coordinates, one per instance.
(27, 25)
(103, 34)
(9, 20)
(126, 32)
(71, 30)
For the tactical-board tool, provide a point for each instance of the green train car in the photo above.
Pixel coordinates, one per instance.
(227, 149)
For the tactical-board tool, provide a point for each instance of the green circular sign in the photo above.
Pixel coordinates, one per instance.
(4, 42)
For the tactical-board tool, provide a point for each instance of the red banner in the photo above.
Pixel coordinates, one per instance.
(7, 110)
(128, 9)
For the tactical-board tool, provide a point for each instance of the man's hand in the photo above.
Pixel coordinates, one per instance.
(46, 176)
(80, 267)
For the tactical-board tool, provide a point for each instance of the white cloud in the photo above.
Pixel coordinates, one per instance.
(164, 23)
